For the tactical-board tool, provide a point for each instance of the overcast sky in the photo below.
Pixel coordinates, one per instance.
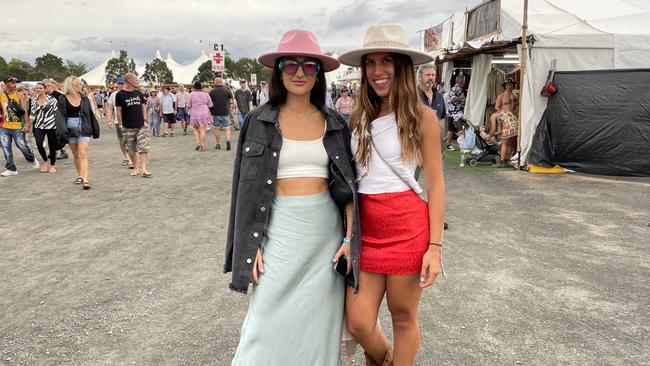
(82, 30)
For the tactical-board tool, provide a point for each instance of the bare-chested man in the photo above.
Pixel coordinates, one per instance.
(503, 121)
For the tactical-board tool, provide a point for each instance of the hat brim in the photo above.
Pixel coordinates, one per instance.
(353, 58)
(329, 63)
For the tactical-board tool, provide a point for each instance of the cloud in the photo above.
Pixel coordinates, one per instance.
(87, 33)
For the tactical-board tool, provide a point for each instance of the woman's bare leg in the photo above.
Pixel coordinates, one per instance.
(403, 298)
(361, 314)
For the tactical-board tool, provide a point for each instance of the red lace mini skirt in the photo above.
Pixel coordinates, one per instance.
(394, 232)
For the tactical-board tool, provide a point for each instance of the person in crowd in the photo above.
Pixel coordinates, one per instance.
(88, 92)
(132, 119)
(254, 95)
(53, 91)
(154, 112)
(182, 111)
(200, 103)
(334, 92)
(455, 109)
(263, 94)
(244, 101)
(43, 113)
(401, 236)
(222, 100)
(168, 103)
(428, 92)
(345, 104)
(81, 123)
(281, 172)
(13, 126)
(506, 123)
(99, 102)
(111, 108)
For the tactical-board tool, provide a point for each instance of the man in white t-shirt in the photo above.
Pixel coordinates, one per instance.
(111, 111)
(168, 103)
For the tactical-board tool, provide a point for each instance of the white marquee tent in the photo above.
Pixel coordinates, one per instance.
(182, 73)
(579, 34)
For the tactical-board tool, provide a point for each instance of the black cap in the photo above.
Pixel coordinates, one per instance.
(11, 79)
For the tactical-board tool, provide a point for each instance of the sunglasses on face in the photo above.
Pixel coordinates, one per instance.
(290, 66)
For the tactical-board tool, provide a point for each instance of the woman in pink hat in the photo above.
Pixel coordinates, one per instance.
(293, 228)
(401, 238)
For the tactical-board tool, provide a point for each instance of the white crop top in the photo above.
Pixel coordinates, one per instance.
(303, 159)
(376, 177)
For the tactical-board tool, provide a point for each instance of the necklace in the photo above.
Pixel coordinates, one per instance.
(384, 100)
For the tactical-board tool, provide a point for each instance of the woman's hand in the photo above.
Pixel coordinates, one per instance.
(258, 268)
(431, 263)
(344, 250)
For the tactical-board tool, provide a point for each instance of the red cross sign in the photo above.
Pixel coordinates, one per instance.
(218, 64)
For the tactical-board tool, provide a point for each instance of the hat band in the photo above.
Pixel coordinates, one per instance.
(392, 44)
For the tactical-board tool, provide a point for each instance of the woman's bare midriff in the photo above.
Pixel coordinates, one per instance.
(300, 186)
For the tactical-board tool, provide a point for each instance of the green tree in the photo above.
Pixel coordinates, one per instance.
(50, 66)
(119, 66)
(205, 73)
(157, 73)
(76, 69)
(21, 69)
(3, 67)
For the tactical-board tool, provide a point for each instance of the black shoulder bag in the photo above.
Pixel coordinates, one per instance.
(18, 110)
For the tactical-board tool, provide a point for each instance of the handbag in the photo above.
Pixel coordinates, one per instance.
(18, 110)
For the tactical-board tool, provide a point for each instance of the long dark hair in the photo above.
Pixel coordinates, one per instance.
(278, 93)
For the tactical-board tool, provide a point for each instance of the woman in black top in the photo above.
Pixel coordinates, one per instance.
(81, 123)
(43, 114)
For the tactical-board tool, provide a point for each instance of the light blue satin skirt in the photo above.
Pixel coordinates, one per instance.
(296, 311)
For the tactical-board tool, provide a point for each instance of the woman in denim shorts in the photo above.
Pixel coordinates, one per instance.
(81, 123)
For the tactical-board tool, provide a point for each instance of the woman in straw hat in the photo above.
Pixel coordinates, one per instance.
(401, 237)
(286, 233)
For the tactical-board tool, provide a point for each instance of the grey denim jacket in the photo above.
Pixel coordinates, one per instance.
(253, 189)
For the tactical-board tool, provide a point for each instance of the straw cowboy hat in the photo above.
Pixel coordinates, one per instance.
(299, 43)
(391, 38)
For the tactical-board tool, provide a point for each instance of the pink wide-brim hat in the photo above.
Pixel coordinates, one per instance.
(299, 43)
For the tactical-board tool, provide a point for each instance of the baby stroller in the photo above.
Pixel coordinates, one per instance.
(483, 152)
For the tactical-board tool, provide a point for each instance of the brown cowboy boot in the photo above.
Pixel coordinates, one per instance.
(370, 361)
(388, 359)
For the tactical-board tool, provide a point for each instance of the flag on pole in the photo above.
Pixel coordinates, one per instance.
(433, 38)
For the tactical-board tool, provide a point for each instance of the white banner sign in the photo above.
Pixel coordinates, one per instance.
(253, 79)
(218, 59)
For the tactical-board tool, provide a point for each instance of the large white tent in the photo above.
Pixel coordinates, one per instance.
(578, 34)
(182, 73)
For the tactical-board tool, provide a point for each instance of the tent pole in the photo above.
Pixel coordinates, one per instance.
(522, 74)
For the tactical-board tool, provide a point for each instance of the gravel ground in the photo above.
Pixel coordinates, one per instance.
(543, 269)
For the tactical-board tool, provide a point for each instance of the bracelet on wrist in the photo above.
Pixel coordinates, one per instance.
(346, 240)
(436, 244)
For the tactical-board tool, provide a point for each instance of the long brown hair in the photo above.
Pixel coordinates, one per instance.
(404, 101)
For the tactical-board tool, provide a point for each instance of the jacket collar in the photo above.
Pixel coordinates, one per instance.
(334, 121)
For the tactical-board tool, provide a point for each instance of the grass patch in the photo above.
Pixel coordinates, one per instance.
(452, 158)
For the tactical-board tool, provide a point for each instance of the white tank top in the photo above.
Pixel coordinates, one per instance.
(376, 177)
(303, 159)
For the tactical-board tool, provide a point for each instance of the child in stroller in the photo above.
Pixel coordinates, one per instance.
(484, 151)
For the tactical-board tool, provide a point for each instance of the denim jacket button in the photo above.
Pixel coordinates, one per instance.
(275, 154)
(263, 209)
(256, 235)
(269, 181)
(249, 261)
(336, 157)
(248, 149)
